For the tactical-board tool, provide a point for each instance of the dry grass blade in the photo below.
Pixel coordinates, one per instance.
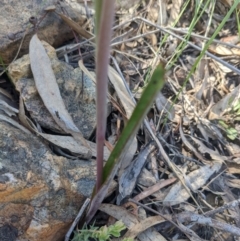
(5, 93)
(48, 90)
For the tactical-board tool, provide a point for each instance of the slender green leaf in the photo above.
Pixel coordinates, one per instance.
(139, 113)
(145, 102)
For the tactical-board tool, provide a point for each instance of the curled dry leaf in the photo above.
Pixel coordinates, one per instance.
(146, 178)
(122, 93)
(49, 92)
(213, 154)
(68, 143)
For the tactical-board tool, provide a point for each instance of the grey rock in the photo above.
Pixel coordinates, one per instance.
(40, 193)
(14, 24)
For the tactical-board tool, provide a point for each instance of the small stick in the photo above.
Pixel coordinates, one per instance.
(84, 206)
(222, 208)
(194, 217)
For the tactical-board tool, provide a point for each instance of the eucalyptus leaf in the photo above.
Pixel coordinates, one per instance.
(49, 92)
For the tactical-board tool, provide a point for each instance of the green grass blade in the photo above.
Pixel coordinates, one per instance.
(140, 111)
(208, 44)
(155, 84)
(234, 6)
(183, 44)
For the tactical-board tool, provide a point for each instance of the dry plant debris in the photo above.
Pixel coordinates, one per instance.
(187, 179)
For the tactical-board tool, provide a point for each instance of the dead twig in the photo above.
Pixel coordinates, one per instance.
(193, 217)
(149, 191)
(84, 206)
(232, 204)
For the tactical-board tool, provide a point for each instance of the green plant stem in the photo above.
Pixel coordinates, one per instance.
(98, 11)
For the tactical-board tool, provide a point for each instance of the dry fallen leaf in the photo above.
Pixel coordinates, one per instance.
(144, 225)
(196, 179)
(14, 123)
(213, 154)
(48, 90)
(8, 109)
(224, 104)
(129, 177)
(128, 106)
(122, 93)
(131, 220)
(163, 104)
(175, 11)
(68, 143)
(64, 142)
